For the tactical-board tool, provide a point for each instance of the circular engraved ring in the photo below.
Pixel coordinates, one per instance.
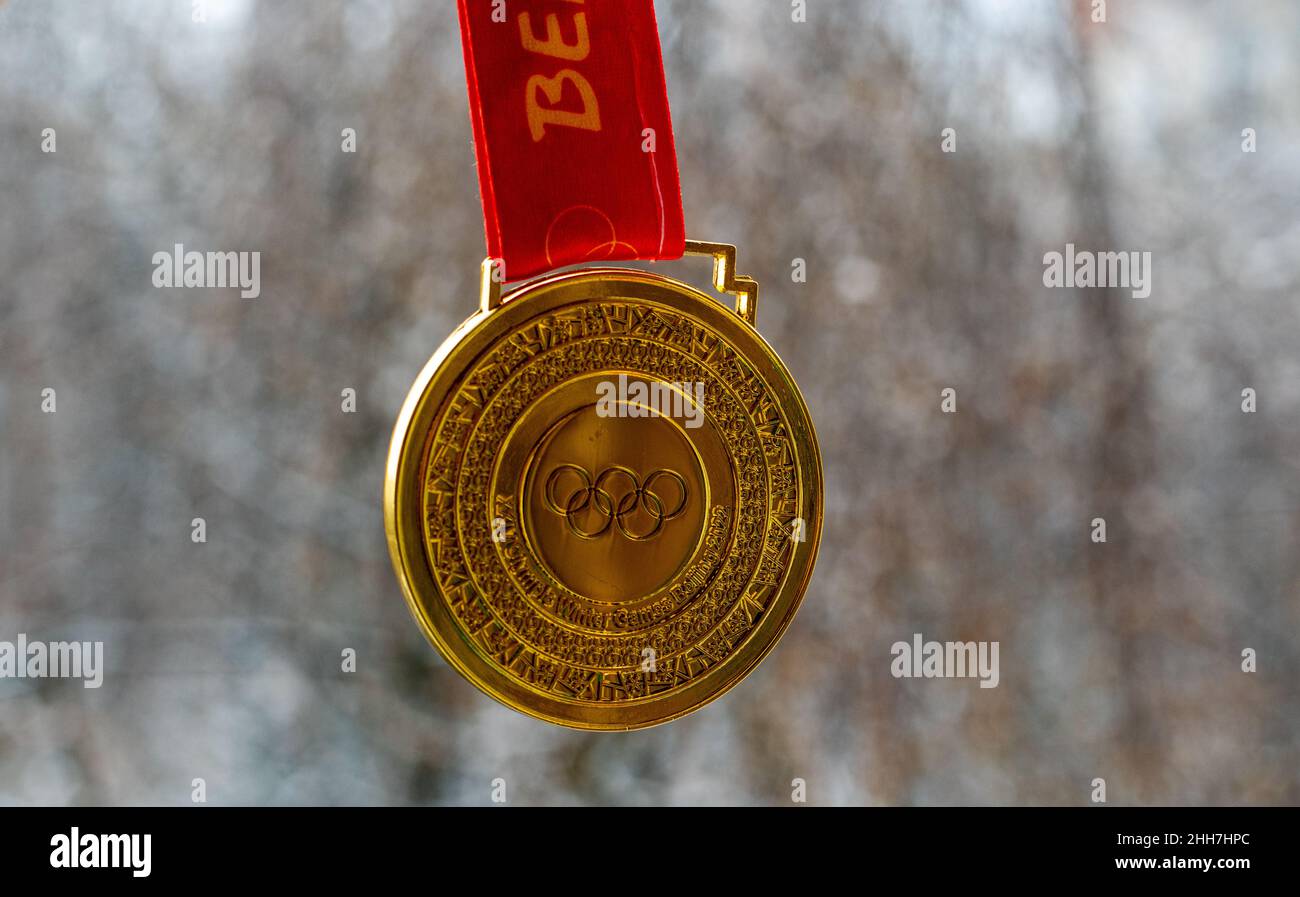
(604, 499)
(614, 511)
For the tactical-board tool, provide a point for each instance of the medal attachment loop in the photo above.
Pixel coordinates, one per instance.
(725, 278)
(490, 284)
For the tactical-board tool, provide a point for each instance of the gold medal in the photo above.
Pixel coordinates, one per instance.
(604, 495)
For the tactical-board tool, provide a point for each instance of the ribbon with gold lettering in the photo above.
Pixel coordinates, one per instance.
(572, 132)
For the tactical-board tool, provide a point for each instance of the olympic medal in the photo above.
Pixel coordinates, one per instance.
(604, 496)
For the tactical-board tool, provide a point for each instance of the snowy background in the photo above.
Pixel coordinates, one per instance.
(817, 140)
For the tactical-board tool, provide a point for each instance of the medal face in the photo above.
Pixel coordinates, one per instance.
(604, 499)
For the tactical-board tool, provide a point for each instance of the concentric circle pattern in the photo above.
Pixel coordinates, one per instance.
(605, 564)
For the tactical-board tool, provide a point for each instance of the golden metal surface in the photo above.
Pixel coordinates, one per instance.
(604, 495)
(725, 278)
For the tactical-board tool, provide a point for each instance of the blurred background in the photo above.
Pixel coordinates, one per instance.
(818, 141)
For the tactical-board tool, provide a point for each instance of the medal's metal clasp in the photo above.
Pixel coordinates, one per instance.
(725, 279)
(490, 284)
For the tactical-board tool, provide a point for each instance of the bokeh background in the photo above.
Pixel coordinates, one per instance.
(818, 141)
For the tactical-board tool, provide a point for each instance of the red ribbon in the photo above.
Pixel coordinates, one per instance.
(572, 130)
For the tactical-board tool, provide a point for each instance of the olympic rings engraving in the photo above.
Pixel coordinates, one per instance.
(596, 493)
